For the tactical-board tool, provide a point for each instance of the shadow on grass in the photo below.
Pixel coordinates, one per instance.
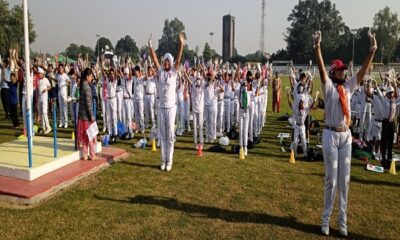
(140, 165)
(225, 214)
(374, 182)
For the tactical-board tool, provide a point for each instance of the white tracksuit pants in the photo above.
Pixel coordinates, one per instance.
(256, 116)
(198, 122)
(235, 111)
(299, 132)
(243, 127)
(127, 114)
(186, 105)
(112, 116)
(337, 158)
(251, 120)
(43, 111)
(167, 134)
(138, 106)
(260, 114)
(63, 105)
(220, 117)
(265, 106)
(120, 97)
(227, 115)
(103, 108)
(149, 103)
(215, 114)
(181, 116)
(209, 118)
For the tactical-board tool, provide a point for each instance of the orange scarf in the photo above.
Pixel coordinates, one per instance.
(343, 103)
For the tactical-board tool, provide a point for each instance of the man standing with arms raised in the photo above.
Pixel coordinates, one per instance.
(336, 137)
(167, 85)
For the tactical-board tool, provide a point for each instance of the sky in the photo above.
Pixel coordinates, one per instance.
(59, 23)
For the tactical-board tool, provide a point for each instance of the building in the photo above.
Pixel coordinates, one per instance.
(228, 37)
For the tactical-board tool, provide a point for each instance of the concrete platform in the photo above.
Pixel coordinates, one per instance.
(14, 157)
(30, 192)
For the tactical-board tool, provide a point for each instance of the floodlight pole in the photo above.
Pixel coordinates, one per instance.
(28, 82)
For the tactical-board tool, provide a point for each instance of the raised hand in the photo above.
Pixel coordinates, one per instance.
(317, 37)
(181, 38)
(372, 39)
(150, 41)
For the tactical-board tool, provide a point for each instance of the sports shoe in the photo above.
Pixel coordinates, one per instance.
(66, 125)
(168, 168)
(325, 230)
(47, 131)
(60, 125)
(343, 230)
(162, 167)
(245, 151)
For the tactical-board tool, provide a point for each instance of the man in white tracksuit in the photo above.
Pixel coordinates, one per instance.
(150, 98)
(198, 110)
(103, 99)
(167, 94)
(44, 87)
(138, 97)
(62, 81)
(120, 97)
(220, 111)
(336, 137)
(127, 102)
(112, 104)
(209, 95)
(235, 102)
(228, 93)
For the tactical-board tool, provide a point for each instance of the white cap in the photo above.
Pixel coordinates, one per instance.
(40, 70)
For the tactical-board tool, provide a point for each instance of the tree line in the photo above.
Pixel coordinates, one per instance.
(306, 17)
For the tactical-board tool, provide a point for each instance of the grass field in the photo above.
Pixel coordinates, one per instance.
(217, 196)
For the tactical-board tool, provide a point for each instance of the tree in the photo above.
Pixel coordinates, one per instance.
(126, 47)
(280, 55)
(12, 27)
(73, 51)
(209, 53)
(169, 41)
(361, 45)
(101, 45)
(306, 18)
(387, 28)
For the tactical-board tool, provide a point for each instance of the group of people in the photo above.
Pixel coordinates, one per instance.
(166, 96)
(208, 99)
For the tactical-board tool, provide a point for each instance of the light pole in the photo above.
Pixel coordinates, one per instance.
(98, 46)
(211, 36)
(354, 31)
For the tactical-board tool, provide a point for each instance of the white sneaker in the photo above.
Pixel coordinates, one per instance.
(66, 125)
(162, 167)
(168, 168)
(245, 151)
(47, 131)
(343, 230)
(60, 125)
(104, 129)
(158, 144)
(325, 230)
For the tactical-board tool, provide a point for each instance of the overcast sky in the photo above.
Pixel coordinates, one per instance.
(59, 23)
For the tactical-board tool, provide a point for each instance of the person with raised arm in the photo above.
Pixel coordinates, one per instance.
(167, 111)
(336, 137)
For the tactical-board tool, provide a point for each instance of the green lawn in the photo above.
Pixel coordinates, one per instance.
(217, 196)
